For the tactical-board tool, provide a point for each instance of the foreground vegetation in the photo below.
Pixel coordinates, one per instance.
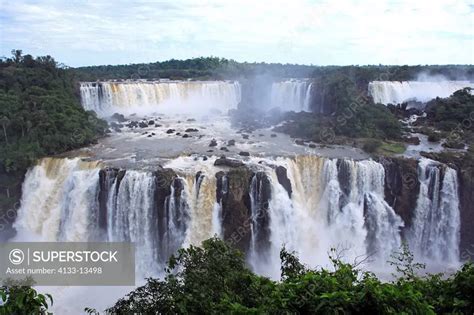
(214, 279)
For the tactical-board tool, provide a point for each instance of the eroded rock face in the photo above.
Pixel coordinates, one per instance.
(106, 177)
(233, 194)
(223, 161)
(283, 179)
(466, 194)
(401, 186)
(10, 197)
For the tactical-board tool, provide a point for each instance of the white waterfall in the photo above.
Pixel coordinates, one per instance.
(334, 204)
(291, 95)
(146, 97)
(396, 92)
(321, 215)
(59, 200)
(435, 233)
(131, 218)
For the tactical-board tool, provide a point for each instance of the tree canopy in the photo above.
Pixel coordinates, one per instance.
(40, 113)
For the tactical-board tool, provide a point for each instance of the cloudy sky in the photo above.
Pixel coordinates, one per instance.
(91, 32)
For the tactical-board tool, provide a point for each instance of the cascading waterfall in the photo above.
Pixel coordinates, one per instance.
(333, 204)
(176, 220)
(292, 95)
(260, 194)
(435, 233)
(326, 212)
(131, 214)
(396, 92)
(146, 97)
(59, 200)
(201, 198)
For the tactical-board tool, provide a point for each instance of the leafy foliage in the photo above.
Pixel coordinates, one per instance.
(451, 112)
(39, 112)
(18, 300)
(214, 279)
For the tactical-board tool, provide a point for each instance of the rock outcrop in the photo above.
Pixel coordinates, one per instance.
(233, 194)
(401, 186)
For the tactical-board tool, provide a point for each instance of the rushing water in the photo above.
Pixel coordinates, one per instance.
(292, 95)
(396, 92)
(435, 232)
(145, 97)
(332, 203)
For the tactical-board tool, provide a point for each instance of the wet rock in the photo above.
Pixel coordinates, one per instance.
(142, 124)
(224, 161)
(312, 145)
(245, 136)
(231, 143)
(191, 130)
(233, 192)
(299, 142)
(225, 149)
(273, 135)
(401, 186)
(185, 135)
(244, 153)
(466, 192)
(118, 117)
(412, 140)
(178, 133)
(158, 125)
(149, 136)
(283, 179)
(132, 124)
(204, 158)
(210, 151)
(151, 123)
(191, 120)
(169, 131)
(213, 143)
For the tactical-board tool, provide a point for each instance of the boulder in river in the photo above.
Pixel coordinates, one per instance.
(224, 161)
(213, 143)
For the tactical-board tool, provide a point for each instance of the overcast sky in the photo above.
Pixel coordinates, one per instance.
(91, 32)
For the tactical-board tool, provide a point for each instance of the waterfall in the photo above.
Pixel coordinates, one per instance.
(291, 95)
(131, 214)
(176, 220)
(435, 233)
(333, 204)
(146, 97)
(396, 92)
(260, 195)
(201, 198)
(59, 200)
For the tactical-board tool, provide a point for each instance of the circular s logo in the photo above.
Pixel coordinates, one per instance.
(16, 256)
